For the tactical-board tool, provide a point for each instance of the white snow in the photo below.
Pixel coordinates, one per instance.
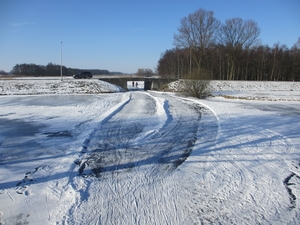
(70, 156)
(54, 85)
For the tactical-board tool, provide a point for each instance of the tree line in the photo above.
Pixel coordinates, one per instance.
(204, 47)
(144, 72)
(51, 70)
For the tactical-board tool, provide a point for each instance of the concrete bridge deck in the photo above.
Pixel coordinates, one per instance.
(150, 83)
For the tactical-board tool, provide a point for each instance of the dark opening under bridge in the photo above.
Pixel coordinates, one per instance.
(149, 83)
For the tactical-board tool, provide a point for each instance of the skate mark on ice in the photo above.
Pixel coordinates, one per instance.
(30, 178)
(104, 121)
(63, 133)
(112, 146)
(292, 181)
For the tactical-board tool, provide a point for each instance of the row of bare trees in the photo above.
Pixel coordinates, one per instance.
(144, 72)
(50, 69)
(204, 47)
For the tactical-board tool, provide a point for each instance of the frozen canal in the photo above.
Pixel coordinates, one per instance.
(148, 158)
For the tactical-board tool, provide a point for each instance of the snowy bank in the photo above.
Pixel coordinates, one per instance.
(248, 90)
(257, 90)
(37, 86)
(253, 90)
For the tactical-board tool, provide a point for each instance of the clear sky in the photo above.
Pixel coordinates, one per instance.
(122, 35)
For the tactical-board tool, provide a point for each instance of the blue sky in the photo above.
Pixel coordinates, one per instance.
(122, 35)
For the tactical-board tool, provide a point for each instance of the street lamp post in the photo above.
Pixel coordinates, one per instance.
(61, 61)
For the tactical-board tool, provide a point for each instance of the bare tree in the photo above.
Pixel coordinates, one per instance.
(297, 44)
(296, 60)
(237, 35)
(195, 33)
(173, 63)
(260, 62)
(144, 72)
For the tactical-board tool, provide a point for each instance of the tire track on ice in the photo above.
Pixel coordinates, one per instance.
(130, 170)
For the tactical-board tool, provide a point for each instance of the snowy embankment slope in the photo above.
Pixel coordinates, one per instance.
(257, 90)
(151, 158)
(254, 90)
(53, 85)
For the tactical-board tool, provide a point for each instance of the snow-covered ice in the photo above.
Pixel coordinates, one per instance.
(68, 157)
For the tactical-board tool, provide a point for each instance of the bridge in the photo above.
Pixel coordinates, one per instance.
(150, 83)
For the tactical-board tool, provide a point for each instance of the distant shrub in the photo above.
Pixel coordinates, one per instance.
(197, 84)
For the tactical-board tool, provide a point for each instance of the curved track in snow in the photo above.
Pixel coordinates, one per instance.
(131, 155)
(137, 134)
(244, 176)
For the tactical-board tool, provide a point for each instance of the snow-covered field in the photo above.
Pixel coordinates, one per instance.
(68, 157)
